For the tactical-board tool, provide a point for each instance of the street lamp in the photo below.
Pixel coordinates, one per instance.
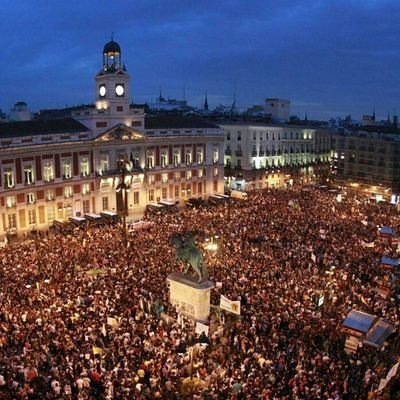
(212, 244)
(124, 188)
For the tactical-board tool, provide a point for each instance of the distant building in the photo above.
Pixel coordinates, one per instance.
(368, 158)
(279, 109)
(20, 112)
(256, 111)
(168, 106)
(264, 155)
(3, 116)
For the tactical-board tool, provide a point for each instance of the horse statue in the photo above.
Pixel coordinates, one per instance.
(188, 253)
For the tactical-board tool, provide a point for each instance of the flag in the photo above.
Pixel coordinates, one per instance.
(97, 350)
(230, 305)
(103, 330)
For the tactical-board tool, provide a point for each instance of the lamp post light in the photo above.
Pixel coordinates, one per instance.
(212, 243)
(124, 188)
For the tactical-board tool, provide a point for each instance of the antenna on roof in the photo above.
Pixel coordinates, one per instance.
(234, 95)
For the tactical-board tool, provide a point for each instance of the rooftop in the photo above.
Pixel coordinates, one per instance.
(178, 122)
(40, 127)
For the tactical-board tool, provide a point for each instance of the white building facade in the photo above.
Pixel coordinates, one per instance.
(261, 155)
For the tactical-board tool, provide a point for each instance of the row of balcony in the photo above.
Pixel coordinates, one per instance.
(267, 167)
(268, 153)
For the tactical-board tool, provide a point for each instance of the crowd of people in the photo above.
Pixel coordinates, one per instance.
(83, 317)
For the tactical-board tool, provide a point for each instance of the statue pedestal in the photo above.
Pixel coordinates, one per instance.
(191, 298)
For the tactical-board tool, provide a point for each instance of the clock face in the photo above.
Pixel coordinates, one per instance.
(119, 90)
(102, 91)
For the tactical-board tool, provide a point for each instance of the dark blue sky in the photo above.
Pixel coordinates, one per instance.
(329, 57)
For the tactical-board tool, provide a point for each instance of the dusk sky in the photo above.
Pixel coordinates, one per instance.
(329, 57)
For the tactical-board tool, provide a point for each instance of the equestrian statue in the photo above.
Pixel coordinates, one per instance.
(188, 253)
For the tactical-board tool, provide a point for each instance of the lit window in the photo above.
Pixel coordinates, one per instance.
(12, 221)
(216, 171)
(135, 161)
(104, 201)
(50, 213)
(164, 178)
(150, 160)
(85, 206)
(215, 154)
(152, 179)
(188, 157)
(151, 195)
(28, 174)
(85, 188)
(30, 198)
(200, 173)
(68, 191)
(8, 177)
(50, 194)
(48, 171)
(177, 157)
(199, 156)
(176, 191)
(177, 176)
(85, 167)
(32, 217)
(188, 174)
(103, 164)
(11, 201)
(66, 169)
(164, 158)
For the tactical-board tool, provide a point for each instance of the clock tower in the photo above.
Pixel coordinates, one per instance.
(112, 82)
(112, 96)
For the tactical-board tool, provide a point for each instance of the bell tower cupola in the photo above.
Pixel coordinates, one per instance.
(112, 56)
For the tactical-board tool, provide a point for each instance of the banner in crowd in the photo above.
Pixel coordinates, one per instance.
(364, 244)
(384, 381)
(200, 328)
(230, 305)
